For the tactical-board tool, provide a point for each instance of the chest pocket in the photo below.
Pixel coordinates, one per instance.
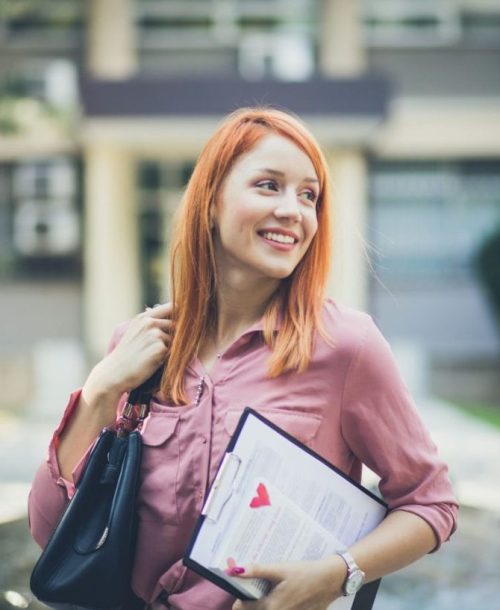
(159, 468)
(301, 425)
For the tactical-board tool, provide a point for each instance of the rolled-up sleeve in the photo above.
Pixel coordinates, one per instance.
(51, 492)
(383, 429)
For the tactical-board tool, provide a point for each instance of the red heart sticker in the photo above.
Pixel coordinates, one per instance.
(262, 497)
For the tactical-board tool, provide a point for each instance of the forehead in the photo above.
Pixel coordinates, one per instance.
(279, 153)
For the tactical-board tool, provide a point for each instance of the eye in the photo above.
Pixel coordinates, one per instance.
(268, 185)
(310, 195)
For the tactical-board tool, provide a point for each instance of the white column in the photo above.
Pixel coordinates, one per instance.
(349, 277)
(112, 288)
(342, 50)
(111, 39)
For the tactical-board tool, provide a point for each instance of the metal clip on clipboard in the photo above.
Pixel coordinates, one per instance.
(223, 487)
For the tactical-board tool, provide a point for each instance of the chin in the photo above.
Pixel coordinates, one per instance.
(278, 274)
(278, 271)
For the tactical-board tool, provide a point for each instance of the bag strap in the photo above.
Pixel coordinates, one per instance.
(137, 407)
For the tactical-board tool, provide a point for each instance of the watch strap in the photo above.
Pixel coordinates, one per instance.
(353, 572)
(348, 559)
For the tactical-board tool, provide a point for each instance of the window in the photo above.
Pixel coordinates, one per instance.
(481, 28)
(41, 24)
(40, 217)
(160, 190)
(410, 23)
(256, 38)
(434, 23)
(428, 219)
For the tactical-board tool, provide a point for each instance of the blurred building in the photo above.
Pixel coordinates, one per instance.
(104, 106)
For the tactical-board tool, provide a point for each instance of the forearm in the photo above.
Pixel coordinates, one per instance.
(399, 540)
(96, 409)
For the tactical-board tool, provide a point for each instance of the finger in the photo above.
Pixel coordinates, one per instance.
(272, 572)
(166, 326)
(165, 339)
(161, 310)
(165, 310)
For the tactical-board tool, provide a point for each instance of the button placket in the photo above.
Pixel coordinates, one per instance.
(199, 391)
(205, 418)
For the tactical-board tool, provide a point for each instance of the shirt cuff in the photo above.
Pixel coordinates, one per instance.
(52, 462)
(442, 518)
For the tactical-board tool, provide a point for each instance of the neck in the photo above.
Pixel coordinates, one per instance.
(241, 302)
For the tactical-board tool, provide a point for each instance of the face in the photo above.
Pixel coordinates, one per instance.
(265, 217)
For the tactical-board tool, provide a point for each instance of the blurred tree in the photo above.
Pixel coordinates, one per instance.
(488, 266)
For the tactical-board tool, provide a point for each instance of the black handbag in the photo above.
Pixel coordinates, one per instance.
(88, 560)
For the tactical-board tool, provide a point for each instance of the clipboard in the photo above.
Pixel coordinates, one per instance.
(230, 485)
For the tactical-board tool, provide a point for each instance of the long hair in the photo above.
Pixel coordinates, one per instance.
(298, 300)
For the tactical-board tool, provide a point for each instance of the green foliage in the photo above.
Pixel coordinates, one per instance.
(8, 123)
(486, 413)
(488, 266)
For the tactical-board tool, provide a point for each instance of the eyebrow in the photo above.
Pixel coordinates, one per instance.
(275, 172)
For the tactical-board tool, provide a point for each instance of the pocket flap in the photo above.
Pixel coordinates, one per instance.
(302, 426)
(157, 429)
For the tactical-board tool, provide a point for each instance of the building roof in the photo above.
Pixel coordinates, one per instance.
(159, 97)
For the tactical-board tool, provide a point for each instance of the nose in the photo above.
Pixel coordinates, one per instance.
(288, 207)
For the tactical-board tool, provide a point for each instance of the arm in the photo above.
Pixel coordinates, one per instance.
(137, 355)
(399, 540)
(383, 429)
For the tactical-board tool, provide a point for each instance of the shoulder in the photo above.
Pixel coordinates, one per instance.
(351, 333)
(356, 337)
(345, 325)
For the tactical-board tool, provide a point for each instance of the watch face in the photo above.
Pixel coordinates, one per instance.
(354, 583)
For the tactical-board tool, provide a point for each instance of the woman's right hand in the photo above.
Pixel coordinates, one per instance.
(139, 353)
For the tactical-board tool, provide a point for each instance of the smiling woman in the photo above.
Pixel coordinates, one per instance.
(265, 166)
(262, 226)
(250, 326)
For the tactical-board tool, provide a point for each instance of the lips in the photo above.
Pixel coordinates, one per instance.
(280, 236)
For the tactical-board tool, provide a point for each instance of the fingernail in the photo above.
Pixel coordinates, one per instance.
(237, 570)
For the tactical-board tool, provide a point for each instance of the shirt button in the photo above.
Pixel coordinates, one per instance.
(203, 440)
(163, 597)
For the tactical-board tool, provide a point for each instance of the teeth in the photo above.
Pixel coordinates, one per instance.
(282, 239)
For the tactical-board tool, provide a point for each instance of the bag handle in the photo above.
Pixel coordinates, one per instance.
(137, 408)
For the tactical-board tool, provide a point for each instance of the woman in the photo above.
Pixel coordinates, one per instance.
(252, 328)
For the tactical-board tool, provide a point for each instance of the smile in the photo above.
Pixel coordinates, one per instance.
(278, 237)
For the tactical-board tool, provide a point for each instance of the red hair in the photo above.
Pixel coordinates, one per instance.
(299, 298)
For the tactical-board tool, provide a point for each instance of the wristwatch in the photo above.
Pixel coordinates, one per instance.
(355, 576)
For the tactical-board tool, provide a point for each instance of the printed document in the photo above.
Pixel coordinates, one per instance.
(272, 501)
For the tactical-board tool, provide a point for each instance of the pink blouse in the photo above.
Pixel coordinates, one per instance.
(350, 405)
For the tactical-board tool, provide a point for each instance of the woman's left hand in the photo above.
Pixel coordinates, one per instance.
(304, 585)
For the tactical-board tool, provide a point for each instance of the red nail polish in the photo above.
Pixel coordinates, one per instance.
(237, 570)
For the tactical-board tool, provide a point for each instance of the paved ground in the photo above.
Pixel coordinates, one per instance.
(464, 574)
(472, 449)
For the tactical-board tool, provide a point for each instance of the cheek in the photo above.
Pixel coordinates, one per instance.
(240, 217)
(312, 226)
